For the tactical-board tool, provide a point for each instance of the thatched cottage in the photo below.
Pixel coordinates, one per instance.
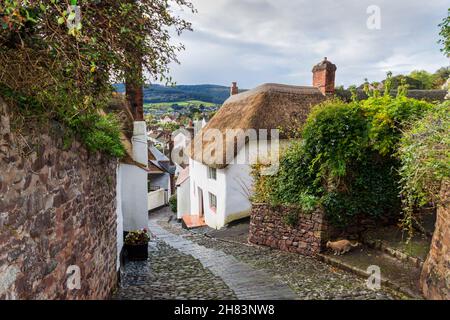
(220, 182)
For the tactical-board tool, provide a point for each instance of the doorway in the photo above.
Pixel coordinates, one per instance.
(201, 208)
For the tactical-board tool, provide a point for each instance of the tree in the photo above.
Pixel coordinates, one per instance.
(46, 56)
(427, 79)
(445, 34)
(441, 76)
(55, 64)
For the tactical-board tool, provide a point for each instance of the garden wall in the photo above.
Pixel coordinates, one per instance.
(435, 278)
(57, 209)
(268, 227)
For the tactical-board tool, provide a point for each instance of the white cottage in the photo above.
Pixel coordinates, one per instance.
(220, 177)
(132, 172)
(160, 178)
(183, 193)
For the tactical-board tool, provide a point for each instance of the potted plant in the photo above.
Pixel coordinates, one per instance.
(136, 244)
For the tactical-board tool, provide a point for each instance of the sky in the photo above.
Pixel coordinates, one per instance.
(259, 41)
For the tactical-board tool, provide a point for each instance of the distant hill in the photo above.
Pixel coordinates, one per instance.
(161, 94)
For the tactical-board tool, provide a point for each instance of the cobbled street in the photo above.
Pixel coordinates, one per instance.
(187, 265)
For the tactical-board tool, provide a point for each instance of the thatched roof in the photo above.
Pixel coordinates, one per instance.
(184, 175)
(269, 106)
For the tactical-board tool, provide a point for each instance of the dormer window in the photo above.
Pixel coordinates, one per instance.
(212, 173)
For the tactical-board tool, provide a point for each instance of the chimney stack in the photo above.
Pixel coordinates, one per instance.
(234, 89)
(324, 75)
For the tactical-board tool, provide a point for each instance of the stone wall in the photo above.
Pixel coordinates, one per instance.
(268, 227)
(435, 278)
(57, 209)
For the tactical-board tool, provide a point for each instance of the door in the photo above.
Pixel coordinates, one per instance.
(201, 208)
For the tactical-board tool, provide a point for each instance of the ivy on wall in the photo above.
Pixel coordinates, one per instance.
(424, 153)
(346, 159)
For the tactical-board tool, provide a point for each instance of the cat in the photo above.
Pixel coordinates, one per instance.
(341, 247)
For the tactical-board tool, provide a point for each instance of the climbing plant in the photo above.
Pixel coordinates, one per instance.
(345, 160)
(425, 161)
(445, 34)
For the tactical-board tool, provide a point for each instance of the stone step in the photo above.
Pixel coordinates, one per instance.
(402, 257)
(394, 274)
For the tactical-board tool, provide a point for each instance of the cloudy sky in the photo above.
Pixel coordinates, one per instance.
(258, 41)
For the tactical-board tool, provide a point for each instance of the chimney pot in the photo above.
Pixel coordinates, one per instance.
(324, 76)
(234, 89)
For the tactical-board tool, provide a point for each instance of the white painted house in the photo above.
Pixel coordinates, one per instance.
(183, 193)
(168, 120)
(160, 178)
(220, 177)
(134, 182)
(132, 172)
(181, 139)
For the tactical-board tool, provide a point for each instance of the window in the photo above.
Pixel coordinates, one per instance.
(212, 173)
(212, 201)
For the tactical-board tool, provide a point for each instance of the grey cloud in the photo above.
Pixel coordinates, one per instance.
(255, 41)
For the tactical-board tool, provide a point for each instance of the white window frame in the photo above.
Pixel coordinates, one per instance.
(212, 173)
(212, 200)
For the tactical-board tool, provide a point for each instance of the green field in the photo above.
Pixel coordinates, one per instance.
(189, 103)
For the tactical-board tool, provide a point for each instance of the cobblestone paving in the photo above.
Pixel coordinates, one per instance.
(186, 265)
(170, 274)
(246, 282)
(308, 277)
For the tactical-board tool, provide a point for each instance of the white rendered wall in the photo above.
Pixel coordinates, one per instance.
(183, 199)
(239, 183)
(140, 142)
(134, 197)
(232, 188)
(119, 215)
(199, 178)
(156, 199)
(134, 182)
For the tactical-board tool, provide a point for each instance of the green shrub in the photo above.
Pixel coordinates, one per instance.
(98, 132)
(387, 116)
(345, 161)
(137, 237)
(424, 153)
(291, 218)
(173, 203)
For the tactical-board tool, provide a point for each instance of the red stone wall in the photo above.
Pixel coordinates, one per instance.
(268, 227)
(435, 278)
(57, 209)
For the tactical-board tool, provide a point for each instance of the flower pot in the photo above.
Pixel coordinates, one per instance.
(137, 252)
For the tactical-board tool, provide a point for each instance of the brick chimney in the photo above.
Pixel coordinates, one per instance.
(323, 76)
(234, 89)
